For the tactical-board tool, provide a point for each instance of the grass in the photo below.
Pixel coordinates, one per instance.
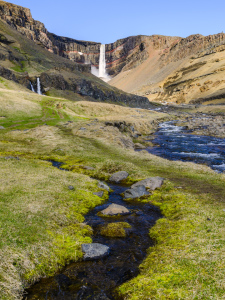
(42, 220)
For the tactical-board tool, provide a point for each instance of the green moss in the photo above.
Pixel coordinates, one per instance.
(115, 229)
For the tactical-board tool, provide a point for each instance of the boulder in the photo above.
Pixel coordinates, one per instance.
(103, 186)
(136, 192)
(118, 176)
(151, 183)
(70, 187)
(94, 251)
(99, 194)
(115, 209)
(2, 127)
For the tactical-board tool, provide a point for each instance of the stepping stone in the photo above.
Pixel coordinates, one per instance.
(103, 186)
(136, 192)
(94, 251)
(151, 183)
(115, 209)
(118, 176)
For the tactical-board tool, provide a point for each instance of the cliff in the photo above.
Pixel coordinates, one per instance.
(162, 68)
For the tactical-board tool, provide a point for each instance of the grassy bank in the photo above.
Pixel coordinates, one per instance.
(42, 219)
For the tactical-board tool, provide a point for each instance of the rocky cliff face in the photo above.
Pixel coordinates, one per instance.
(170, 69)
(123, 54)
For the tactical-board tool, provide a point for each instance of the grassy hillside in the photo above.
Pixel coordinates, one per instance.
(42, 223)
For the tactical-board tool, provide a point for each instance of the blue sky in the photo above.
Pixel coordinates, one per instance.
(106, 21)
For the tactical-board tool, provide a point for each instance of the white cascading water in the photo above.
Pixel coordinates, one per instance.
(39, 86)
(102, 62)
(32, 88)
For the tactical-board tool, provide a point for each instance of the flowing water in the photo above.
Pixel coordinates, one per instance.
(32, 88)
(98, 279)
(102, 62)
(39, 86)
(176, 143)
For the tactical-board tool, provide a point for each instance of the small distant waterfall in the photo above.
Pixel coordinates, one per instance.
(102, 62)
(32, 88)
(39, 86)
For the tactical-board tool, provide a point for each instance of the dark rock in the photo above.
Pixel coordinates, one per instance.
(99, 194)
(103, 186)
(63, 280)
(118, 176)
(136, 192)
(70, 187)
(151, 183)
(94, 251)
(115, 209)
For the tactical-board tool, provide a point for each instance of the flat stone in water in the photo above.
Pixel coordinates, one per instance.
(115, 209)
(136, 192)
(118, 176)
(151, 183)
(94, 251)
(103, 186)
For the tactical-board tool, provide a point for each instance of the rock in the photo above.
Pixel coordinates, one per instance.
(113, 230)
(139, 146)
(94, 251)
(99, 194)
(103, 186)
(2, 127)
(63, 280)
(115, 209)
(70, 187)
(88, 168)
(82, 128)
(118, 176)
(151, 183)
(136, 192)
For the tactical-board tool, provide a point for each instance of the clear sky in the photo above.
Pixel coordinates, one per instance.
(106, 21)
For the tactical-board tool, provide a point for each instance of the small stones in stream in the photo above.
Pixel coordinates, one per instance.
(94, 251)
(151, 183)
(114, 209)
(103, 186)
(118, 176)
(136, 192)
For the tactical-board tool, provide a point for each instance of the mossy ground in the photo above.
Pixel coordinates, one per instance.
(115, 229)
(42, 220)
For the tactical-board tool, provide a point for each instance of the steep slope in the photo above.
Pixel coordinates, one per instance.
(189, 70)
(23, 60)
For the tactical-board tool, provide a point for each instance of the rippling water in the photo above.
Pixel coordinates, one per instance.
(175, 143)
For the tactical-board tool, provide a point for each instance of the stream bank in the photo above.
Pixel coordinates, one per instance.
(98, 278)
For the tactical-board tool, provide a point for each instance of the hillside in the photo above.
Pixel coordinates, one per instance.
(22, 60)
(188, 70)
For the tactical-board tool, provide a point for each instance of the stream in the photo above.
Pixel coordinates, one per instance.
(97, 279)
(176, 143)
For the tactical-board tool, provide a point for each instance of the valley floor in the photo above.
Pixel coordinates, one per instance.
(42, 220)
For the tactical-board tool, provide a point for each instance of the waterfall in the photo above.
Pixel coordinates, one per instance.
(39, 86)
(32, 88)
(102, 62)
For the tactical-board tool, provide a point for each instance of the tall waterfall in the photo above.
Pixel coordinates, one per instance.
(39, 86)
(102, 62)
(32, 88)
